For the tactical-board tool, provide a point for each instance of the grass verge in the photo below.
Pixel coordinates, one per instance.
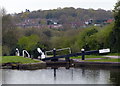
(106, 59)
(17, 59)
(88, 56)
(114, 54)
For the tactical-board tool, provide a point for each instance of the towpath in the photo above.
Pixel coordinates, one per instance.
(98, 58)
(113, 56)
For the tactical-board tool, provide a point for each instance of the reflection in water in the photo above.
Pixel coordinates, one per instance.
(54, 73)
(115, 77)
(0, 77)
(83, 72)
(60, 76)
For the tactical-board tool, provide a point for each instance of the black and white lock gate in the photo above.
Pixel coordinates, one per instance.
(83, 53)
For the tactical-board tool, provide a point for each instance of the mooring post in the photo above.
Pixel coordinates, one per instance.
(54, 55)
(54, 52)
(83, 54)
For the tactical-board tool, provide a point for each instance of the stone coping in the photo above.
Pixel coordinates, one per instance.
(44, 65)
(27, 66)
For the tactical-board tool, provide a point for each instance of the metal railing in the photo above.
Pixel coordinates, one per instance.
(83, 53)
(58, 50)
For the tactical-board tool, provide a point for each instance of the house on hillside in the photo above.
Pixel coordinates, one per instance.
(109, 21)
(98, 22)
(54, 24)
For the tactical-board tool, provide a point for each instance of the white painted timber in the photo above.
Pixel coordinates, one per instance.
(104, 50)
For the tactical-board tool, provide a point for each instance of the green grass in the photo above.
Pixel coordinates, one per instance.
(88, 56)
(114, 54)
(19, 59)
(16, 59)
(104, 60)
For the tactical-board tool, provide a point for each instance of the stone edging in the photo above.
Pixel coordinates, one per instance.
(44, 65)
(28, 66)
(97, 64)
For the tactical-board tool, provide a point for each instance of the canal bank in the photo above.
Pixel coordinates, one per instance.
(44, 65)
(20, 63)
(28, 66)
(97, 64)
(82, 64)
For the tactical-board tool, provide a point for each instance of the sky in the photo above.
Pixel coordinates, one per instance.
(17, 6)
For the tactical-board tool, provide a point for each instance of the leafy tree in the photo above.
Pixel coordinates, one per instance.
(102, 37)
(86, 39)
(29, 42)
(9, 35)
(5, 50)
(115, 35)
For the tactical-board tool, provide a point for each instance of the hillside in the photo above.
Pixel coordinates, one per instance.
(60, 28)
(63, 18)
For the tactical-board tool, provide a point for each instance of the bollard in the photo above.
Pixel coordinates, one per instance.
(54, 55)
(54, 52)
(83, 54)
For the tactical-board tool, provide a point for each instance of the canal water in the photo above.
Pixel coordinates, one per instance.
(61, 76)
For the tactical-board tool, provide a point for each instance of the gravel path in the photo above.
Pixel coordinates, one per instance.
(97, 58)
(89, 59)
(113, 56)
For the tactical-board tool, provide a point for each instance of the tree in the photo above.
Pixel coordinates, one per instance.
(9, 35)
(30, 43)
(117, 14)
(86, 38)
(115, 35)
(103, 36)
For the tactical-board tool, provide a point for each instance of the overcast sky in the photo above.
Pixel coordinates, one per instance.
(17, 6)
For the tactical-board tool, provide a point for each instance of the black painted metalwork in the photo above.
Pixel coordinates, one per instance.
(83, 53)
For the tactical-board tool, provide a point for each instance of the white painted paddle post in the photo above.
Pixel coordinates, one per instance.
(42, 54)
(104, 50)
(25, 51)
(17, 52)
